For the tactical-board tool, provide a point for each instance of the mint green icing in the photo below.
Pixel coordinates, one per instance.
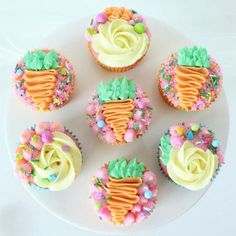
(125, 169)
(165, 148)
(116, 89)
(195, 57)
(40, 60)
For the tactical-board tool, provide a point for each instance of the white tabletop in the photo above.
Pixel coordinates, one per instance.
(209, 23)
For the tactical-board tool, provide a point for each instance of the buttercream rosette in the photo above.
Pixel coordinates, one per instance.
(48, 156)
(190, 155)
(124, 192)
(190, 79)
(119, 111)
(118, 38)
(44, 80)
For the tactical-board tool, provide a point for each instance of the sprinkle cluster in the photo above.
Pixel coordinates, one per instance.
(147, 194)
(113, 13)
(138, 124)
(198, 134)
(207, 94)
(64, 85)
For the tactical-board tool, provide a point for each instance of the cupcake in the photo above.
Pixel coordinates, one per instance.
(190, 80)
(190, 155)
(119, 111)
(118, 38)
(48, 156)
(44, 80)
(124, 192)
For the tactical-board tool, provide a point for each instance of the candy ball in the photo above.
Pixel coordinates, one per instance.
(101, 123)
(215, 143)
(148, 194)
(129, 135)
(190, 135)
(195, 127)
(19, 72)
(98, 206)
(101, 18)
(46, 136)
(139, 28)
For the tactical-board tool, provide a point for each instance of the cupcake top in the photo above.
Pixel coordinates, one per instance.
(119, 111)
(124, 191)
(48, 156)
(190, 79)
(44, 80)
(118, 36)
(190, 154)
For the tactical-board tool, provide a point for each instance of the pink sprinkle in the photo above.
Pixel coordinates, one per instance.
(65, 148)
(46, 136)
(129, 136)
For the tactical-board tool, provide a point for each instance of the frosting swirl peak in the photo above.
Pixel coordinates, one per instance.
(118, 45)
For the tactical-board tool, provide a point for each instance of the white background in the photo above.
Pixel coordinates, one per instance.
(209, 23)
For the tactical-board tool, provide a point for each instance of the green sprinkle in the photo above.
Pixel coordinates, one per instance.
(107, 198)
(34, 160)
(36, 138)
(56, 101)
(166, 90)
(70, 78)
(136, 127)
(64, 81)
(63, 71)
(46, 179)
(168, 78)
(45, 168)
(130, 114)
(215, 80)
(32, 147)
(18, 156)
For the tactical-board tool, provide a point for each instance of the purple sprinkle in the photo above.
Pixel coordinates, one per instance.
(46, 136)
(65, 148)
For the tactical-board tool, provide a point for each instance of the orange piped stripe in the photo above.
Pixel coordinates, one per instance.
(40, 86)
(123, 195)
(114, 13)
(189, 81)
(117, 115)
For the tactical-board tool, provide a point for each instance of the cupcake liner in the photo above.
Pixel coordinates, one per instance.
(167, 176)
(116, 69)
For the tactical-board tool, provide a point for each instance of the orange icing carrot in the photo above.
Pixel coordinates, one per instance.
(40, 86)
(117, 115)
(123, 195)
(118, 13)
(189, 81)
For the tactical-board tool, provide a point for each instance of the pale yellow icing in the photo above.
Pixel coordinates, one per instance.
(118, 45)
(191, 167)
(53, 161)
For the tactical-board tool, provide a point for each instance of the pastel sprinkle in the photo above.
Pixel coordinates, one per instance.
(98, 206)
(190, 135)
(148, 194)
(53, 177)
(65, 148)
(101, 123)
(19, 72)
(215, 143)
(195, 127)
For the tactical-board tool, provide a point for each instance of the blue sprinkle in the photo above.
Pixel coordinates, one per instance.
(190, 135)
(148, 194)
(134, 12)
(215, 143)
(19, 72)
(53, 177)
(147, 209)
(101, 123)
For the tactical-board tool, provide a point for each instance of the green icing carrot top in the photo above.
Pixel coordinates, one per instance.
(125, 169)
(195, 57)
(40, 60)
(116, 89)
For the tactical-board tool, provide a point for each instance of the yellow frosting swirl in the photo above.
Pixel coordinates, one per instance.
(55, 168)
(118, 45)
(191, 167)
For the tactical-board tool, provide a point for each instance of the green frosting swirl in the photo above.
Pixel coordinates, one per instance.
(54, 168)
(116, 89)
(40, 60)
(125, 169)
(165, 148)
(195, 57)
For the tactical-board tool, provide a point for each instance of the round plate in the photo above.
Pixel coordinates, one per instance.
(73, 205)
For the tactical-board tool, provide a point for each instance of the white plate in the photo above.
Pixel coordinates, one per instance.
(73, 205)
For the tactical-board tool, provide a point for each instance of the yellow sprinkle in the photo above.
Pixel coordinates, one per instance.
(180, 130)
